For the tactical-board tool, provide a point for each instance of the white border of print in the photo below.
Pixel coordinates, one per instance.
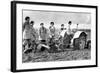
(21, 65)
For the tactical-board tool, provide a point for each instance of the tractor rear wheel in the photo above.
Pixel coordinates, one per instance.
(82, 43)
(79, 43)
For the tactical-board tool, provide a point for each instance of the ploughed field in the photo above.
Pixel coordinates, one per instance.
(66, 55)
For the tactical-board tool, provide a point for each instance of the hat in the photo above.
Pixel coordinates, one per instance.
(27, 17)
(32, 22)
(42, 24)
(69, 22)
(62, 24)
(52, 23)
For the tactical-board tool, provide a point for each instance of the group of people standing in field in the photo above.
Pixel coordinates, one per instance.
(30, 34)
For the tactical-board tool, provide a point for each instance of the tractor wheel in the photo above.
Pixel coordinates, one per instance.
(76, 44)
(79, 43)
(82, 42)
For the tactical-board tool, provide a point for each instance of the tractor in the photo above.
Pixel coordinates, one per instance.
(76, 39)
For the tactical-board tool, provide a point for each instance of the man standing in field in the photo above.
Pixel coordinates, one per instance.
(52, 29)
(43, 38)
(68, 36)
(51, 32)
(26, 28)
(69, 27)
(62, 32)
(43, 32)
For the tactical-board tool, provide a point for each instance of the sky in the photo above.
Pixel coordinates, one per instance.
(83, 19)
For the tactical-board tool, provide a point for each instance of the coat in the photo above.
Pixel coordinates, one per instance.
(52, 30)
(28, 31)
(43, 33)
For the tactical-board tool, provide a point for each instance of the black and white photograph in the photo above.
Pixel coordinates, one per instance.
(50, 36)
(56, 36)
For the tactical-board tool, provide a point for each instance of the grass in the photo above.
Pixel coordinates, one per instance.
(60, 56)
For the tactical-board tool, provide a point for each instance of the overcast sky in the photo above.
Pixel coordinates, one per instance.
(84, 19)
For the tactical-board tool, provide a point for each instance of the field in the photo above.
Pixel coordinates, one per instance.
(67, 55)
